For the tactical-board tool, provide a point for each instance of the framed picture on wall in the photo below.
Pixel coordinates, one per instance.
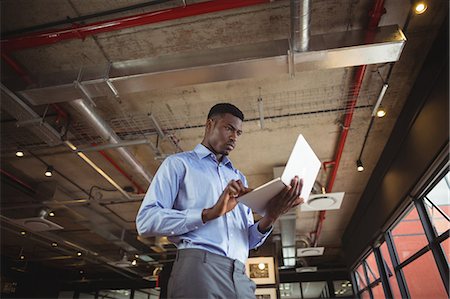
(266, 293)
(261, 270)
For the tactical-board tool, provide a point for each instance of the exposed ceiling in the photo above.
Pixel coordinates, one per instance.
(168, 74)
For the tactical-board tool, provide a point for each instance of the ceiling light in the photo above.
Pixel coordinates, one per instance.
(19, 153)
(81, 271)
(54, 244)
(79, 253)
(49, 171)
(22, 257)
(420, 8)
(23, 233)
(136, 256)
(51, 214)
(381, 112)
(134, 262)
(261, 266)
(359, 165)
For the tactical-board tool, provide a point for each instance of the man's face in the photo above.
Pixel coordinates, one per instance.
(222, 133)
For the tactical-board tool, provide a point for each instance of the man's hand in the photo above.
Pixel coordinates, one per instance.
(227, 201)
(281, 203)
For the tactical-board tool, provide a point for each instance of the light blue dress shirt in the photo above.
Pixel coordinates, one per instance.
(184, 185)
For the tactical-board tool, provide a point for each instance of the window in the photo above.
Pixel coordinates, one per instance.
(390, 271)
(423, 279)
(408, 235)
(360, 278)
(372, 269)
(437, 202)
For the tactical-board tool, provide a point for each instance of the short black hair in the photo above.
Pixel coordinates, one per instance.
(223, 108)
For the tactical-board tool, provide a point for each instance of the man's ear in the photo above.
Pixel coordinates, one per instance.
(209, 124)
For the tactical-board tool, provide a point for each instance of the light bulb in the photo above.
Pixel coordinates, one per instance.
(381, 112)
(359, 166)
(420, 8)
(49, 171)
(261, 266)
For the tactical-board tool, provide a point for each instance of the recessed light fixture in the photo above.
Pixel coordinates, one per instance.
(22, 257)
(49, 171)
(54, 244)
(23, 233)
(420, 8)
(134, 262)
(79, 253)
(81, 271)
(359, 165)
(51, 214)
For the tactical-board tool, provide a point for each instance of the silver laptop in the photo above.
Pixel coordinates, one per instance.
(302, 162)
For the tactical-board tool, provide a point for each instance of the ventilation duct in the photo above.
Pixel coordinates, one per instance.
(259, 60)
(300, 23)
(108, 134)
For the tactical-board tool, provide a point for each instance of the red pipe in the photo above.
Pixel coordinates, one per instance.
(116, 166)
(82, 31)
(17, 180)
(17, 68)
(375, 16)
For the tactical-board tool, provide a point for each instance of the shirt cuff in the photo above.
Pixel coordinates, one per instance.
(194, 219)
(259, 234)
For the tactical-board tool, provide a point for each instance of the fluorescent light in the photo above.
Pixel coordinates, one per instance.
(103, 174)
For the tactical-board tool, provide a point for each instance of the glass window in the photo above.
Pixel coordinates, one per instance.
(342, 288)
(360, 277)
(390, 271)
(290, 290)
(378, 291)
(408, 235)
(372, 269)
(440, 197)
(365, 295)
(446, 248)
(423, 279)
(314, 289)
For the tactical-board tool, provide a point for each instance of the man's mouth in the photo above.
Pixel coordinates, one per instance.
(230, 145)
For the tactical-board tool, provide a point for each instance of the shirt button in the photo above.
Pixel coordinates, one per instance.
(172, 233)
(196, 227)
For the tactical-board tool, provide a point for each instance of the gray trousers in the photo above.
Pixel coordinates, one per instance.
(201, 274)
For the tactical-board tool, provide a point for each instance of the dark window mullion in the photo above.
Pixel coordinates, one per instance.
(383, 273)
(436, 249)
(395, 262)
(365, 265)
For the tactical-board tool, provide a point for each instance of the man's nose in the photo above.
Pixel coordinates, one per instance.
(234, 136)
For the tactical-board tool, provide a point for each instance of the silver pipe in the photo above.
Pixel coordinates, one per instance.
(300, 24)
(113, 145)
(107, 133)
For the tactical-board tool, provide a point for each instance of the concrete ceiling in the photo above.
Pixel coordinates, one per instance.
(312, 103)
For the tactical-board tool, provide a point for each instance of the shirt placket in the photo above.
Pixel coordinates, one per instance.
(228, 216)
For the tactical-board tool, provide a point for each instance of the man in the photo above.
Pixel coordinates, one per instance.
(193, 200)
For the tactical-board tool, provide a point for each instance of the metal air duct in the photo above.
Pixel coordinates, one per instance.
(300, 23)
(107, 133)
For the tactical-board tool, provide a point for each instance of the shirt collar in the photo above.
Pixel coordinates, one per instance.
(202, 152)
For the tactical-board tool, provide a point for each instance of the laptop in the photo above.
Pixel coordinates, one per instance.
(302, 162)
